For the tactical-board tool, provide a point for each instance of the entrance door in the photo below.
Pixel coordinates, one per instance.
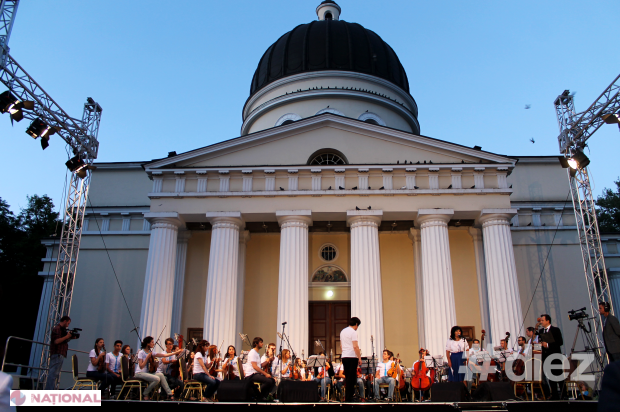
(327, 319)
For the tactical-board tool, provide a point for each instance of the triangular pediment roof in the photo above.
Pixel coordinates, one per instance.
(293, 144)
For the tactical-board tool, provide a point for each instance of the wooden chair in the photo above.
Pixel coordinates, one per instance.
(129, 382)
(536, 369)
(81, 383)
(192, 386)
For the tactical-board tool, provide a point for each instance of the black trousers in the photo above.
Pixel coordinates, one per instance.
(350, 373)
(557, 388)
(266, 384)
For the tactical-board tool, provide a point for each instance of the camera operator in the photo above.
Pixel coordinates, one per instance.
(611, 332)
(547, 350)
(58, 351)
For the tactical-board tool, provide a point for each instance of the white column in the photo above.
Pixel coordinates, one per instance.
(179, 280)
(366, 295)
(244, 237)
(503, 287)
(439, 308)
(614, 289)
(414, 235)
(481, 275)
(44, 306)
(293, 277)
(221, 300)
(156, 313)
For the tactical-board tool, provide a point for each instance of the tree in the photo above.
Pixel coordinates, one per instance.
(608, 211)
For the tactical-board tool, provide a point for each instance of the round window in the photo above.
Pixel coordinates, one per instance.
(328, 252)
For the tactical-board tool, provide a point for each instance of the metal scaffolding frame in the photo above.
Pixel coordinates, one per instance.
(575, 130)
(81, 136)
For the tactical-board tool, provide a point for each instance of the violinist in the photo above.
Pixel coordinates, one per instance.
(456, 348)
(282, 368)
(231, 370)
(382, 377)
(255, 373)
(523, 349)
(268, 357)
(113, 366)
(96, 367)
(474, 365)
(301, 370)
(318, 376)
(145, 357)
(202, 366)
(167, 363)
(420, 365)
(340, 379)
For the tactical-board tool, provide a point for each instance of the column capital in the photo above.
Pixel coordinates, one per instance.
(414, 235)
(226, 219)
(490, 217)
(364, 217)
(438, 216)
(287, 217)
(161, 219)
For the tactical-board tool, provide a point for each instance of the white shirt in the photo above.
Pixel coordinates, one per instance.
(161, 368)
(142, 356)
(275, 372)
(337, 368)
(456, 346)
(114, 361)
(91, 367)
(232, 362)
(253, 356)
(347, 336)
(197, 366)
(383, 368)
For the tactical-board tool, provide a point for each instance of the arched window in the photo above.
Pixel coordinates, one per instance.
(328, 16)
(287, 119)
(371, 118)
(329, 274)
(327, 157)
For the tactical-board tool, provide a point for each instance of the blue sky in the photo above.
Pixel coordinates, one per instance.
(175, 75)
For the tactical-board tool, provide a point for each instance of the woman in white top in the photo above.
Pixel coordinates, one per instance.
(97, 355)
(202, 364)
(145, 357)
(284, 365)
(231, 371)
(456, 349)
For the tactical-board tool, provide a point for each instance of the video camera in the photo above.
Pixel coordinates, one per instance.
(75, 333)
(577, 314)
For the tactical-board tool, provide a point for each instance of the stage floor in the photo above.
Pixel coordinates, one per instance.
(546, 406)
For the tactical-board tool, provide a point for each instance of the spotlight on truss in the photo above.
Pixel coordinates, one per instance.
(38, 128)
(12, 105)
(78, 166)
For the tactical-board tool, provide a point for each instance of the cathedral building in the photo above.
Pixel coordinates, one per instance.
(330, 203)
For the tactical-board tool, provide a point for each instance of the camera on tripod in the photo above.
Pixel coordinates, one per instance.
(75, 333)
(577, 314)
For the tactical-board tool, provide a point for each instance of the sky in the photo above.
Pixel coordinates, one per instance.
(175, 75)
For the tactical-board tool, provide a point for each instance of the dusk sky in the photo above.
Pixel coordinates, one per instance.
(175, 75)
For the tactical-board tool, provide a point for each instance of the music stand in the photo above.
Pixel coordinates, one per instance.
(366, 367)
(243, 356)
(316, 361)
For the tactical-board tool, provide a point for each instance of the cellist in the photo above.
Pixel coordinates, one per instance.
(421, 378)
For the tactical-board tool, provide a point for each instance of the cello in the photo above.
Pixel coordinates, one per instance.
(420, 381)
(397, 372)
(491, 376)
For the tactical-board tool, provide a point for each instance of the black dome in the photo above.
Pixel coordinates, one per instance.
(329, 45)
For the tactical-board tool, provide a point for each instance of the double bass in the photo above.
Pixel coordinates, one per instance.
(101, 362)
(420, 381)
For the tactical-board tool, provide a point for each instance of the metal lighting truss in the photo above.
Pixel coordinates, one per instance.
(81, 135)
(575, 130)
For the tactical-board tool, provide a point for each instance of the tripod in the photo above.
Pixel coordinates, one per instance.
(590, 346)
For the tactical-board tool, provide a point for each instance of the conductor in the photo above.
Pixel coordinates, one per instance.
(351, 356)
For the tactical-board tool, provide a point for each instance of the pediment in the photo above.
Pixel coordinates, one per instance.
(361, 143)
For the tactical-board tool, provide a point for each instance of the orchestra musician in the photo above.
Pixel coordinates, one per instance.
(351, 356)
(417, 395)
(456, 346)
(269, 356)
(285, 365)
(381, 376)
(165, 366)
(97, 357)
(202, 364)
(318, 376)
(299, 363)
(340, 378)
(230, 363)
(145, 357)
(473, 370)
(126, 352)
(523, 348)
(113, 366)
(254, 371)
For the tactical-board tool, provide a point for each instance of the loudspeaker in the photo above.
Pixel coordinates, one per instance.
(296, 391)
(448, 392)
(234, 391)
(493, 391)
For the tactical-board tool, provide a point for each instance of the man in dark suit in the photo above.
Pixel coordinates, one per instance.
(611, 332)
(551, 343)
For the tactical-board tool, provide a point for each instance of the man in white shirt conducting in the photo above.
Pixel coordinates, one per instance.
(351, 356)
(382, 377)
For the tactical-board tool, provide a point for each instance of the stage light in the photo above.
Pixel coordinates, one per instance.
(77, 166)
(578, 161)
(38, 128)
(330, 293)
(12, 105)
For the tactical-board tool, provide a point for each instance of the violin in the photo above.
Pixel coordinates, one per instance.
(153, 363)
(101, 361)
(397, 372)
(267, 367)
(296, 372)
(420, 381)
(175, 368)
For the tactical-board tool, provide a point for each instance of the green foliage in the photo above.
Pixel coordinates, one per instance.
(608, 211)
